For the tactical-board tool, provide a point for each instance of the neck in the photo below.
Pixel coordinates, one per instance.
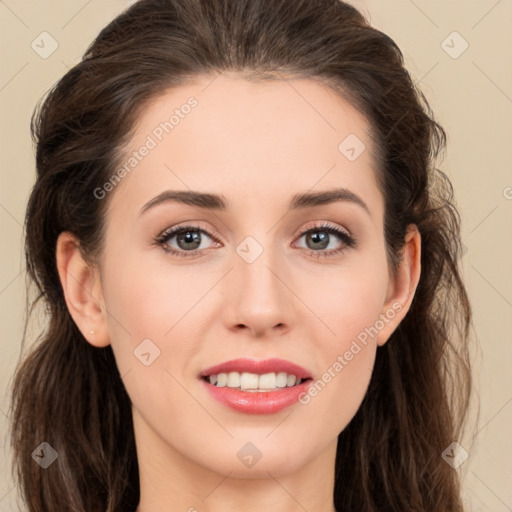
(170, 482)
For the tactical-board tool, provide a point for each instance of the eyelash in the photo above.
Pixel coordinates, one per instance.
(348, 240)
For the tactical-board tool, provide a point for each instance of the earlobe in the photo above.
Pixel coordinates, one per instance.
(402, 285)
(82, 290)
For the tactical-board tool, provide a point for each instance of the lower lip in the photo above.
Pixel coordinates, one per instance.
(258, 402)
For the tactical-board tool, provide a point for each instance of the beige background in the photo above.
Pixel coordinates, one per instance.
(472, 98)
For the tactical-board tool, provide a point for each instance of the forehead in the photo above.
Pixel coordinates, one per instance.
(248, 140)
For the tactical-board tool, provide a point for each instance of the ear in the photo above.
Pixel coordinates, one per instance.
(402, 285)
(82, 291)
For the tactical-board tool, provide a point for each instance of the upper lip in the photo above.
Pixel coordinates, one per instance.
(258, 367)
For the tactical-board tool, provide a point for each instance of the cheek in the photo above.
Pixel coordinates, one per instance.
(150, 301)
(346, 299)
(346, 366)
(157, 324)
(349, 305)
(150, 324)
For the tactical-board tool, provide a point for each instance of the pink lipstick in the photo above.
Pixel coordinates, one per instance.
(256, 387)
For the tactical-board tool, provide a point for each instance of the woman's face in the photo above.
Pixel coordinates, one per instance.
(245, 282)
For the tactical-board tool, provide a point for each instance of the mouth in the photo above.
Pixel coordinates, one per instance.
(256, 387)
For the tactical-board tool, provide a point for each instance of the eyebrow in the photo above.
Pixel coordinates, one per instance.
(219, 203)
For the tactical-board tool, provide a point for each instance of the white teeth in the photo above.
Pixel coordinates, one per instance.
(222, 380)
(233, 380)
(281, 379)
(267, 381)
(249, 381)
(253, 382)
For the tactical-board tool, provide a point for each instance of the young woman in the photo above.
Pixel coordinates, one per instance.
(249, 264)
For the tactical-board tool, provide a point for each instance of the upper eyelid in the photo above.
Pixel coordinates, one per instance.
(325, 225)
(173, 231)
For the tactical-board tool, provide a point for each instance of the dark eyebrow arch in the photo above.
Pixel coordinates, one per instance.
(308, 200)
(219, 202)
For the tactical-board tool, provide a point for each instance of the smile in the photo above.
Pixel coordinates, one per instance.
(256, 387)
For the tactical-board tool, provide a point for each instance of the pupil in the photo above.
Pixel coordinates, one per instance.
(190, 237)
(322, 239)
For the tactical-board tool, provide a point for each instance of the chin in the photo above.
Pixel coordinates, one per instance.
(251, 457)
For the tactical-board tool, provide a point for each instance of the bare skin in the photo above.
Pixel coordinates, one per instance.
(257, 145)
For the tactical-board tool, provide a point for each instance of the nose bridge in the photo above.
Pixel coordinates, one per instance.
(260, 300)
(255, 262)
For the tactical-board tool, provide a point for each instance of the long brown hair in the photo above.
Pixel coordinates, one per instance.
(69, 394)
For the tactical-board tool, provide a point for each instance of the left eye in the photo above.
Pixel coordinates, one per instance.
(320, 237)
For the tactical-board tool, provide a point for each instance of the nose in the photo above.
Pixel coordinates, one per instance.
(259, 298)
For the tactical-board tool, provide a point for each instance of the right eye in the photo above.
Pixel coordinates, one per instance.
(188, 239)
